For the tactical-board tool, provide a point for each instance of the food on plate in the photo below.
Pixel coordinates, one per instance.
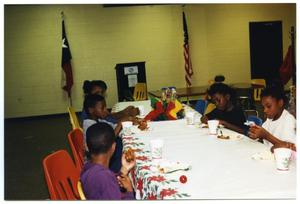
(129, 155)
(161, 170)
(183, 179)
(223, 137)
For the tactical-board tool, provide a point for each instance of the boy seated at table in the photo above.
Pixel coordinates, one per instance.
(95, 107)
(99, 87)
(226, 111)
(279, 130)
(98, 181)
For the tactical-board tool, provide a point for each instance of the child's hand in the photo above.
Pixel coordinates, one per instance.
(134, 111)
(204, 119)
(284, 144)
(224, 123)
(124, 182)
(256, 131)
(127, 166)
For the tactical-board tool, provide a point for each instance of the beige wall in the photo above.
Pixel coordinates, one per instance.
(102, 37)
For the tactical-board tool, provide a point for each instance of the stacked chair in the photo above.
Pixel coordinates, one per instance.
(61, 173)
(140, 92)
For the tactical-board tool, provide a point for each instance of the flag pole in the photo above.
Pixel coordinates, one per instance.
(70, 100)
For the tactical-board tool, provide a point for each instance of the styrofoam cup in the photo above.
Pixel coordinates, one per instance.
(213, 126)
(156, 147)
(127, 127)
(142, 110)
(190, 117)
(282, 157)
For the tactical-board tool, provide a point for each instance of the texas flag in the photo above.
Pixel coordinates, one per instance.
(67, 79)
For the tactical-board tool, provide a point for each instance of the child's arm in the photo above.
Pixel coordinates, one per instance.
(259, 132)
(123, 119)
(129, 111)
(127, 165)
(232, 127)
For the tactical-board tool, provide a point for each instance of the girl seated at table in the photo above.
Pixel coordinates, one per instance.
(99, 87)
(98, 182)
(95, 106)
(226, 111)
(279, 130)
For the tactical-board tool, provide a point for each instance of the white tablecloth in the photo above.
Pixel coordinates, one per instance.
(221, 169)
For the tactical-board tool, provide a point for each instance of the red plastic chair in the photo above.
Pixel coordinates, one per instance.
(61, 176)
(76, 141)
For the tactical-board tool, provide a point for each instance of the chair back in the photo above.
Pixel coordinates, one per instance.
(61, 176)
(209, 108)
(140, 92)
(76, 141)
(73, 118)
(201, 106)
(258, 82)
(80, 191)
(258, 86)
(258, 121)
(251, 112)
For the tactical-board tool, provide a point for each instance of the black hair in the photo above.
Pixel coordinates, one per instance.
(223, 89)
(91, 100)
(275, 91)
(219, 78)
(89, 85)
(99, 138)
(101, 84)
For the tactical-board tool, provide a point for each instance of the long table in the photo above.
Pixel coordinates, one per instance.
(221, 169)
(198, 90)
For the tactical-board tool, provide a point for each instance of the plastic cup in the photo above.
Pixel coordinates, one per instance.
(197, 119)
(213, 126)
(282, 157)
(156, 147)
(142, 110)
(127, 127)
(190, 118)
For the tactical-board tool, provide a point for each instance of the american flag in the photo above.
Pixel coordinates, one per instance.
(187, 58)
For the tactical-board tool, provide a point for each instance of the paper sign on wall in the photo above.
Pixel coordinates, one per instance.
(132, 80)
(131, 70)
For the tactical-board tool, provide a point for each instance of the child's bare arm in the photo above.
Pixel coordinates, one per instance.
(259, 132)
(232, 127)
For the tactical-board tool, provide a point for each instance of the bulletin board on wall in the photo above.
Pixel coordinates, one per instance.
(128, 75)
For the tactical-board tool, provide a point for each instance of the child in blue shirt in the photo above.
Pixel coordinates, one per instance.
(99, 87)
(95, 106)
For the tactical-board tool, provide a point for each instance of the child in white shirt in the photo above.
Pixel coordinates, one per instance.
(279, 130)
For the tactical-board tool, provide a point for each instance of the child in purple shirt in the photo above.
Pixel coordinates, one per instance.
(98, 182)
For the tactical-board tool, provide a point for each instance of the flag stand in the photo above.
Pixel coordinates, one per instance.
(70, 101)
